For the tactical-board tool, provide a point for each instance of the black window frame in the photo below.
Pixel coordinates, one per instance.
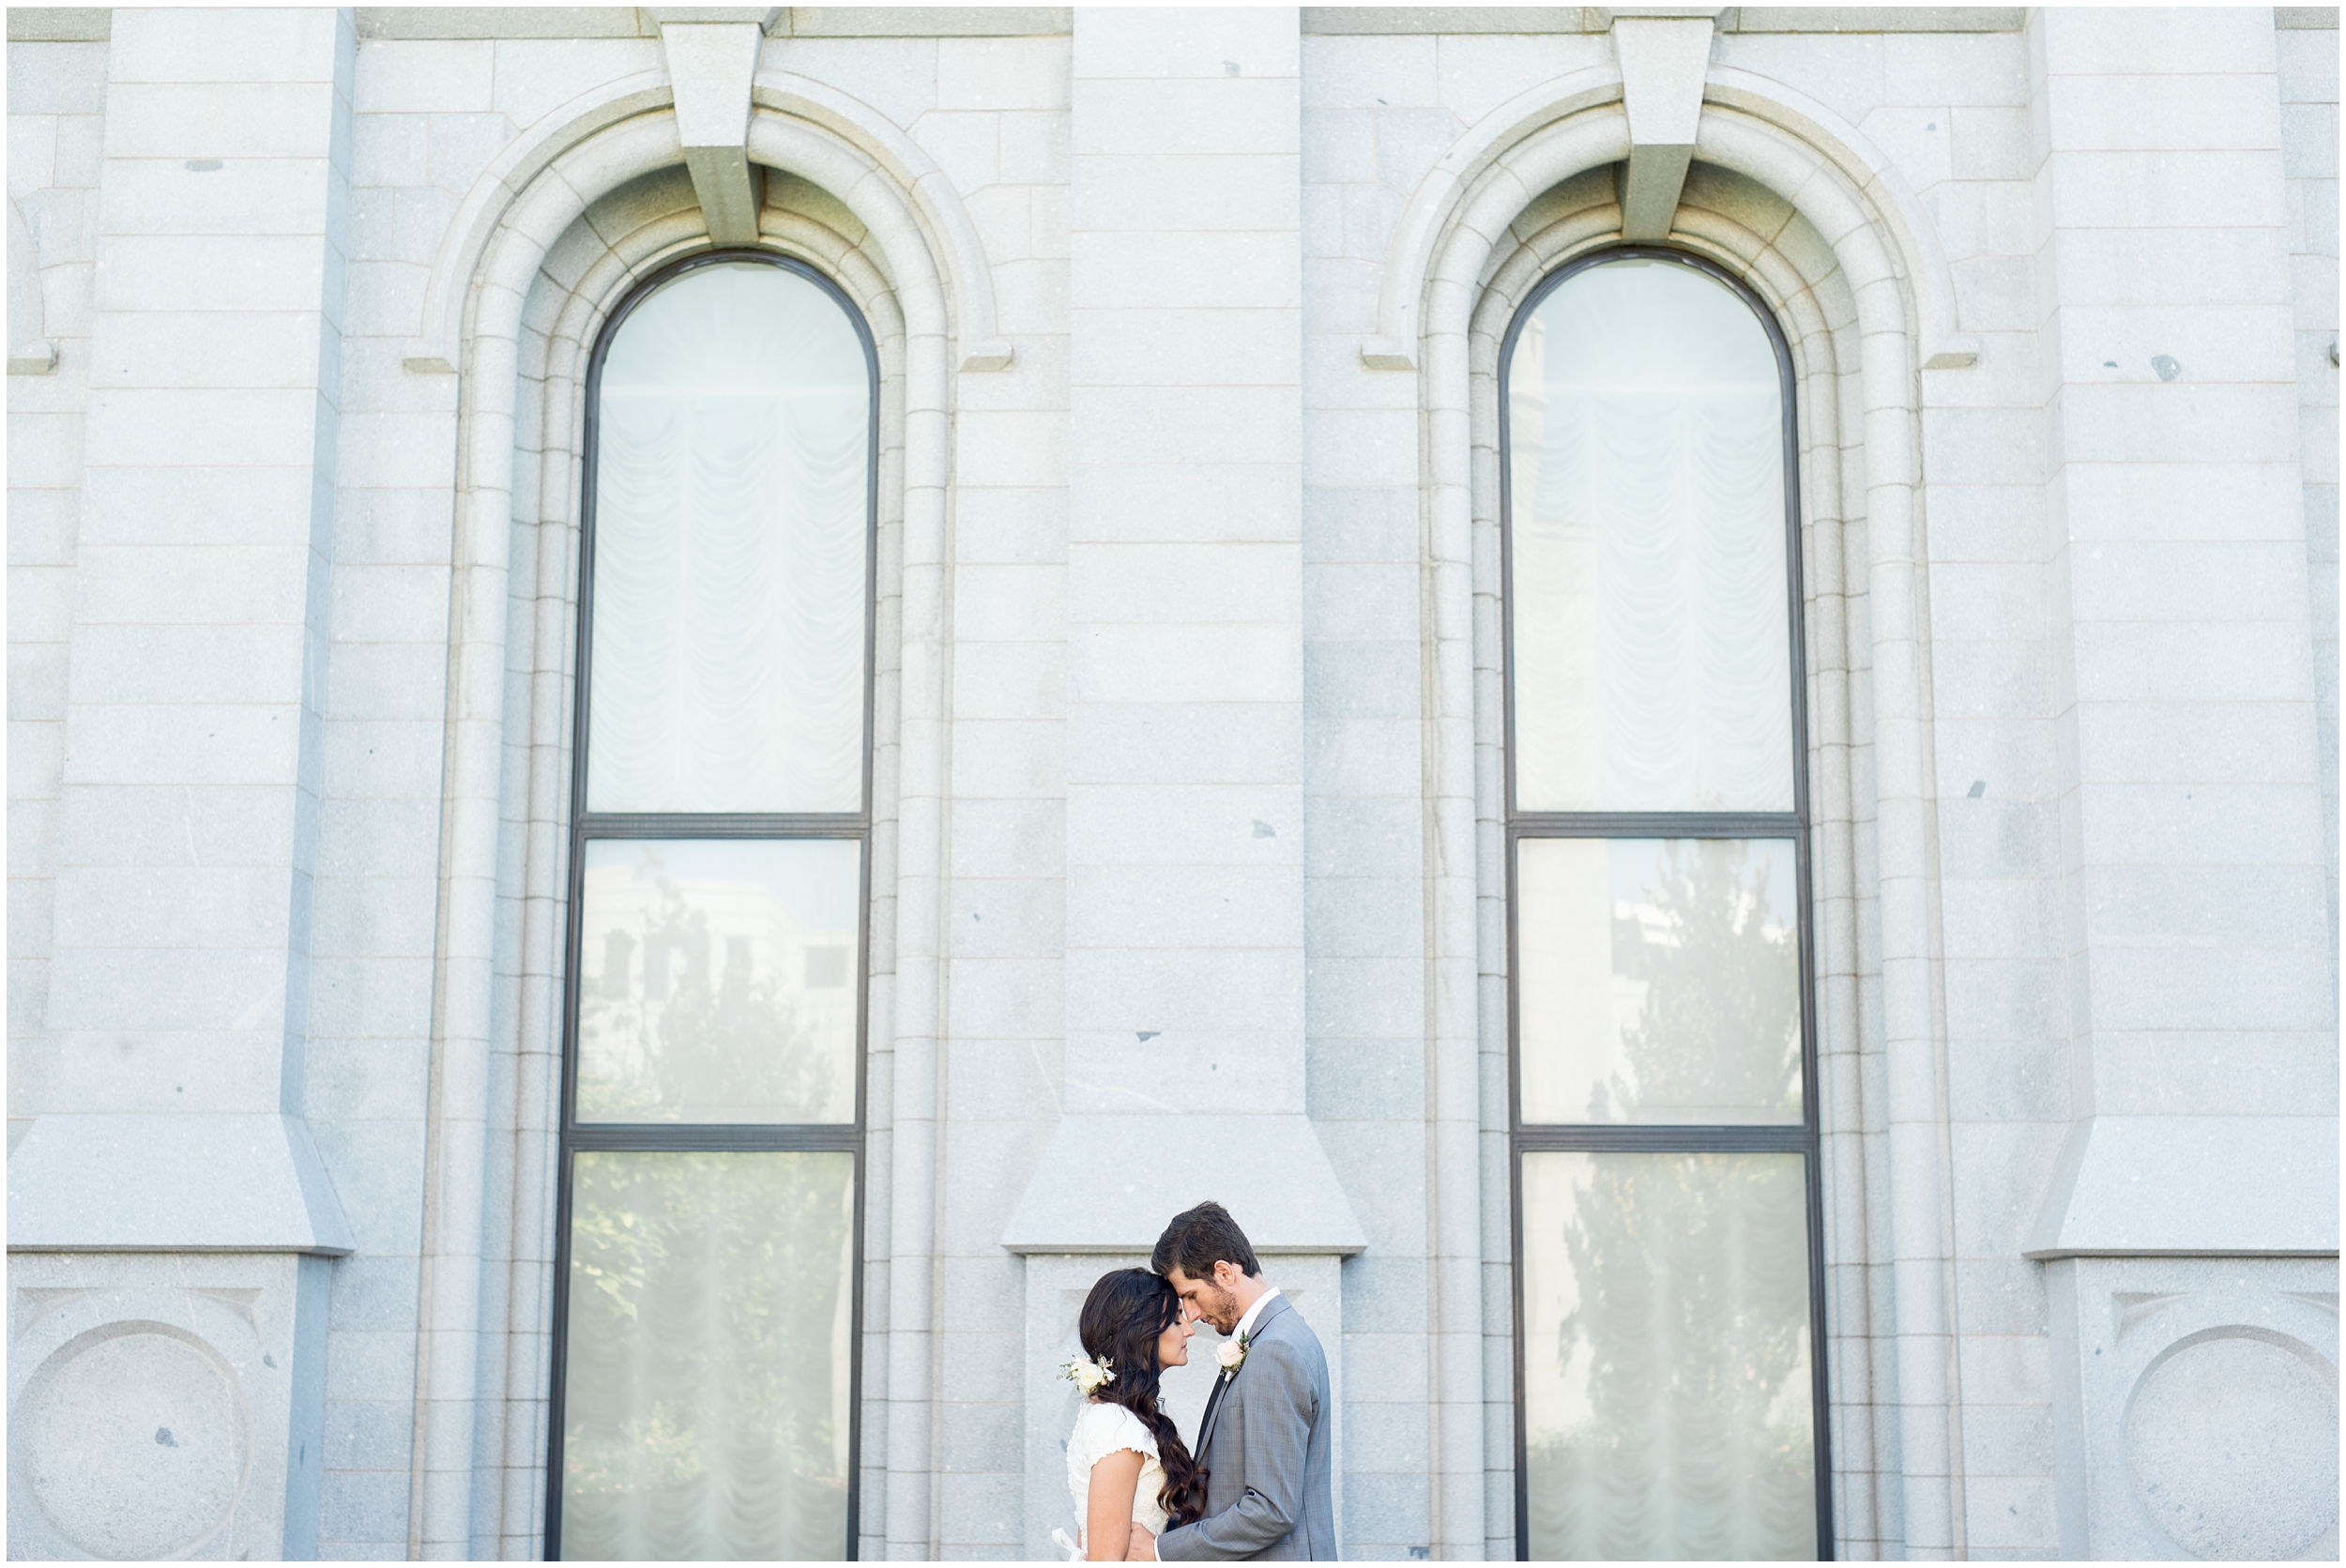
(655, 1137)
(1539, 1137)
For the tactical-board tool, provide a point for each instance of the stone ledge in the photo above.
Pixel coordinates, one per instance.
(1108, 1184)
(70, 23)
(172, 1183)
(1342, 20)
(2175, 1186)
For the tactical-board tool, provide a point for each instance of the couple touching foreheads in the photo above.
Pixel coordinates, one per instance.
(1259, 1484)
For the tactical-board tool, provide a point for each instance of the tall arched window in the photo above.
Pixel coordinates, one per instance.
(707, 1301)
(1670, 1398)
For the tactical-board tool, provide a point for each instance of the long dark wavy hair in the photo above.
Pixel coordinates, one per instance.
(1121, 1320)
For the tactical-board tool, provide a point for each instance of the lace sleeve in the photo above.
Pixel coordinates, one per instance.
(1106, 1429)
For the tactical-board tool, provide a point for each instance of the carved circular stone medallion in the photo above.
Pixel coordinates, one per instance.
(2233, 1440)
(135, 1444)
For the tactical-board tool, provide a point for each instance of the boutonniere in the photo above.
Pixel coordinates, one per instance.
(1087, 1374)
(1231, 1353)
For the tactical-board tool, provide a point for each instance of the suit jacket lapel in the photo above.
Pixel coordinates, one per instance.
(1222, 1384)
(1213, 1409)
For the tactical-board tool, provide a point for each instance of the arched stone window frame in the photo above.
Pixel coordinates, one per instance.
(580, 211)
(1819, 226)
(770, 826)
(1528, 1137)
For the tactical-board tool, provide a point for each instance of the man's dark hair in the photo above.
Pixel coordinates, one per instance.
(1198, 1238)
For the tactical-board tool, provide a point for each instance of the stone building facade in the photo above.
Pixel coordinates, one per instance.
(1187, 830)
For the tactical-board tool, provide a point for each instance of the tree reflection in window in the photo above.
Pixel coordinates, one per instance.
(706, 1417)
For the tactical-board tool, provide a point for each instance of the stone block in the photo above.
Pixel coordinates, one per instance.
(1362, 1087)
(965, 146)
(1003, 73)
(1010, 680)
(1208, 347)
(151, 663)
(1362, 998)
(1012, 448)
(184, 120)
(1991, 1080)
(1149, 118)
(1198, 584)
(1143, 824)
(1339, 146)
(535, 76)
(1362, 72)
(1200, 47)
(1007, 604)
(2158, 43)
(1009, 759)
(32, 153)
(1362, 679)
(1034, 149)
(1186, 194)
(1360, 446)
(1955, 67)
(1172, 907)
(167, 1406)
(1120, 994)
(1364, 756)
(394, 603)
(427, 76)
(1356, 837)
(1844, 72)
(1238, 665)
(1991, 143)
(360, 1507)
(895, 76)
(1011, 998)
(1478, 73)
(461, 146)
(1007, 525)
(2162, 823)
(2136, 423)
(2194, 1411)
(2100, 502)
(56, 78)
(2211, 267)
(2011, 1514)
(1144, 271)
(1918, 140)
(1007, 917)
(1192, 500)
(212, 272)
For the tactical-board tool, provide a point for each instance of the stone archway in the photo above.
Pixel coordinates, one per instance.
(595, 218)
(1853, 275)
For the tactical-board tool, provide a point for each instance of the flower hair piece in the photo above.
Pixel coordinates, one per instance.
(1085, 1374)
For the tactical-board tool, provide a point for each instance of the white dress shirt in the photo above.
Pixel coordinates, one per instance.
(1246, 1324)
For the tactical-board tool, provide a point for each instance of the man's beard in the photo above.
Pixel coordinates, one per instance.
(1220, 1309)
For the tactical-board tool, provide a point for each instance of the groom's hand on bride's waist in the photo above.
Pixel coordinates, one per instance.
(1142, 1546)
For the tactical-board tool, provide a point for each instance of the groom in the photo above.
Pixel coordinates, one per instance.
(1266, 1436)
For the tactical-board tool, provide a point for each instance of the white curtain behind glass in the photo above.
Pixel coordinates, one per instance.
(1652, 648)
(730, 516)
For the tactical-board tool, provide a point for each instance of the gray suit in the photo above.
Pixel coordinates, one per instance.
(1266, 1438)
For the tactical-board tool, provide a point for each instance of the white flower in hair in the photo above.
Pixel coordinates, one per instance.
(1085, 1374)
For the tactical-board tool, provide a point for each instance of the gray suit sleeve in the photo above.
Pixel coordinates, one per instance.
(1276, 1418)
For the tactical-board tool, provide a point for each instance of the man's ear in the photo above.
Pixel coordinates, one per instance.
(1227, 1273)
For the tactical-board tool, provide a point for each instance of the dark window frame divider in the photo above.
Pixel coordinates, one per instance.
(573, 1137)
(1804, 1137)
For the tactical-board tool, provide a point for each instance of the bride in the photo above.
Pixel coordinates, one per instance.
(1130, 1475)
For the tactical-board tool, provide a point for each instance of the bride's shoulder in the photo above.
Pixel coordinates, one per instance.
(1107, 1427)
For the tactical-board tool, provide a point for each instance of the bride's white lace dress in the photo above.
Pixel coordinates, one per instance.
(1100, 1431)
